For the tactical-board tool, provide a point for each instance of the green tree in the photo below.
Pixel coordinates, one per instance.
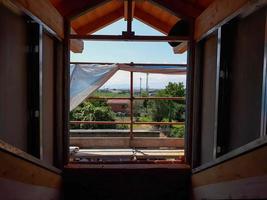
(93, 110)
(170, 109)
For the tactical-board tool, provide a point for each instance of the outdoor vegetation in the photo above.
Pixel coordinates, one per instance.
(144, 110)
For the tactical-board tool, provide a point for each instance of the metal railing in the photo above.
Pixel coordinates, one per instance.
(131, 141)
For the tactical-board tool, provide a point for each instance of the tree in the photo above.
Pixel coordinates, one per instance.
(169, 109)
(93, 110)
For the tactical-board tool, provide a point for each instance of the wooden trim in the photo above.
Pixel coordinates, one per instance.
(52, 22)
(232, 154)
(150, 20)
(13, 168)
(129, 16)
(77, 46)
(14, 151)
(248, 165)
(100, 22)
(181, 48)
(125, 142)
(180, 9)
(137, 38)
(223, 11)
(127, 166)
(43, 10)
(73, 9)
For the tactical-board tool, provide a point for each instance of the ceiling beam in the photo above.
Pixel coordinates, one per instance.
(126, 9)
(101, 22)
(76, 46)
(179, 8)
(129, 16)
(74, 8)
(137, 38)
(229, 9)
(152, 21)
(181, 48)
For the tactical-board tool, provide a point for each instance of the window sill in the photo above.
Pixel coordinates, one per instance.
(5, 147)
(232, 154)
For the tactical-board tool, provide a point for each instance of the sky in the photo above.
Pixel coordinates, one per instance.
(137, 52)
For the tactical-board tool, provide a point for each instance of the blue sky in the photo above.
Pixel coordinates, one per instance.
(138, 52)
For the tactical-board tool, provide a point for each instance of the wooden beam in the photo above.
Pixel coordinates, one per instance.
(101, 22)
(220, 11)
(43, 10)
(26, 157)
(126, 10)
(129, 17)
(137, 38)
(179, 8)
(72, 9)
(76, 46)
(24, 172)
(129, 154)
(252, 164)
(171, 165)
(150, 20)
(125, 142)
(181, 48)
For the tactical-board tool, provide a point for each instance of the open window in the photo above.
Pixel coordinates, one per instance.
(231, 112)
(30, 62)
(136, 112)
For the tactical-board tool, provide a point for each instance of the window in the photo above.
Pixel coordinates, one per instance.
(28, 57)
(231, 116)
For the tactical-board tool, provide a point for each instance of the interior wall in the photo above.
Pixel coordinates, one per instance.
(13, 79)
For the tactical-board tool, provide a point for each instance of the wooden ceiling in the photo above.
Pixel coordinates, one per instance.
(88, 16)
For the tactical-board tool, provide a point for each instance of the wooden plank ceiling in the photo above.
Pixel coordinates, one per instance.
(88, 16)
